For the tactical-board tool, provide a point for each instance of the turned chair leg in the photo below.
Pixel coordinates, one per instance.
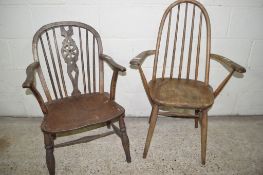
(50, 159)
(125, 139)
(204, 125)
(153, 119)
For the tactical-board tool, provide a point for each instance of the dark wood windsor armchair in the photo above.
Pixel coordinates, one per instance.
(68, 108)
(182, 90)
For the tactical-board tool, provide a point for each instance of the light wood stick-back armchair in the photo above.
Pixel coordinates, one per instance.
(72, 56)
(184, 39)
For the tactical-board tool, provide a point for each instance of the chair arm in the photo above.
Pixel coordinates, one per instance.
(139, 59)
(116, 68)
(227, 62)
(230, 64)
(30, 72)
(112, 63)
(29, 83)
(136, 63)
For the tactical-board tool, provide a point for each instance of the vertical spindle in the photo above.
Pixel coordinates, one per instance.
(82, 61)
(88, 65)
(94, 66)
(59, 63)
(183, 42)
(190, 44)
(175, 41)
(167, 43)
(48, 68)
(198, 48)
(54, 65)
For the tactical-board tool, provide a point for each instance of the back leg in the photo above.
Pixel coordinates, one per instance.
(204, 136)
(196, 118)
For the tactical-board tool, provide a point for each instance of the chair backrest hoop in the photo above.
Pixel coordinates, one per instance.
(69, 55)
(167, 12)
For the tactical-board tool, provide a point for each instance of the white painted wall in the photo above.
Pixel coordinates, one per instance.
(128, 27)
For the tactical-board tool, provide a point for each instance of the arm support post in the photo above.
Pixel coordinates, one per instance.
(113, 84)
(223, 83)
(30, 84)
(137, 63)
(116, 69)
(234, 67)
(145, 85)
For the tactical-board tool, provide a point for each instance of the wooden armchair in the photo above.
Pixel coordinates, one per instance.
(180, 93)
(69, 108)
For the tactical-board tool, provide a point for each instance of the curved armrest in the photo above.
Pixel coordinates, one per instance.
(29, 83)
(112, 63)
(139, 59)
(230, 64)
(30, 72)
(227, 62)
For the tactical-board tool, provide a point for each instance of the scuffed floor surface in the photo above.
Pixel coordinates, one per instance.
(235, 146)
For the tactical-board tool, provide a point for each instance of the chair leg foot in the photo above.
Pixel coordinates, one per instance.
(153, 119)
(204, 136)
(50, 159)
(125, 139)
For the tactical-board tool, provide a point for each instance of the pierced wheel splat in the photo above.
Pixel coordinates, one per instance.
(70, 53)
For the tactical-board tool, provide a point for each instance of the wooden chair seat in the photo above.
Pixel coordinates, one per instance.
(181, 93)
(79, 111)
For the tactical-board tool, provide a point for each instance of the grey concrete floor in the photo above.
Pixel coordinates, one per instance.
(235, 146)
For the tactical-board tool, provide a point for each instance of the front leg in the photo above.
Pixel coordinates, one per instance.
(125, 139)
(50, 159)
(153, 117)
